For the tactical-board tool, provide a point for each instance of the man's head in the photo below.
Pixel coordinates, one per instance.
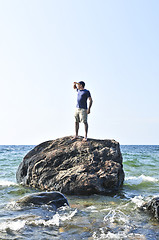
(82, 84)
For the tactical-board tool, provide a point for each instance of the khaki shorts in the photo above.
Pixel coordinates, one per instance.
(81, 115)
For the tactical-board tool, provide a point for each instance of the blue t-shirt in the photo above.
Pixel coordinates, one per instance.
(82, 96)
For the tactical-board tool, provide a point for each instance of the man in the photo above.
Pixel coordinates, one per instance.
(82, 110)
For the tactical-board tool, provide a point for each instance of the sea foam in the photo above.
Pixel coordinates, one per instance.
(12, 225)
(55, 220)
(140, 179)
(117, 226)
(7, 183)
(104, 234)
(138, 200)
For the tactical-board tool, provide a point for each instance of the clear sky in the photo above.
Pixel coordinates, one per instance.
(113, 45)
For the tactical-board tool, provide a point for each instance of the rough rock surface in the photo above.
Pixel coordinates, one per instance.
(152, 207)
(73, 166)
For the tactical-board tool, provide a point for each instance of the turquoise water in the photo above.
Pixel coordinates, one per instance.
(93, 217)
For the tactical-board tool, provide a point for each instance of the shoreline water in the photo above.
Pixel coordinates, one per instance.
(93, 217)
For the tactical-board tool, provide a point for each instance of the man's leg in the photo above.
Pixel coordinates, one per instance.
(86, 131)
(84, 120)
(77, 120)
(76, 129)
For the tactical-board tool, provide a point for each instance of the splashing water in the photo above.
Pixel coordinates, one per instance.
(89, 217)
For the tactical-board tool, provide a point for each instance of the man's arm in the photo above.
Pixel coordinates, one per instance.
(90, 105)
(74, 85)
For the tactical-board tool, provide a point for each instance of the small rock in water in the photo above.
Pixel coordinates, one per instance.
(54, 199)
(153, 207)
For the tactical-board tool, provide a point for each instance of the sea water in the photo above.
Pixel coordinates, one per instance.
(88, 217)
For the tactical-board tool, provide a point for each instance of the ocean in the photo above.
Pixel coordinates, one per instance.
(88, 217)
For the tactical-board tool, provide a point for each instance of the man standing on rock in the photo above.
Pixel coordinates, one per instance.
(81, 109)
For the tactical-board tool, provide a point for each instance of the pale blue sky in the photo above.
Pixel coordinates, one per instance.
(47, 45)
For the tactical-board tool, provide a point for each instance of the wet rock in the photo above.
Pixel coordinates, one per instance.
(54, 199)
(152, 207)
(73, 166)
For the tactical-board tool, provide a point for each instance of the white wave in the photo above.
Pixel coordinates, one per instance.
(115, 216)
(138, 200)
(68, 216)
(16, 225)
(118, 225)
(12, 225)
(55, 220)
(111, 232)
(120, 235)
(7, 183)
(140, 179)
(13, 205)
(92, 209)
(109, 235)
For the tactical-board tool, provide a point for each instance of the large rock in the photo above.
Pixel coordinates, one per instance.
(73, 166)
